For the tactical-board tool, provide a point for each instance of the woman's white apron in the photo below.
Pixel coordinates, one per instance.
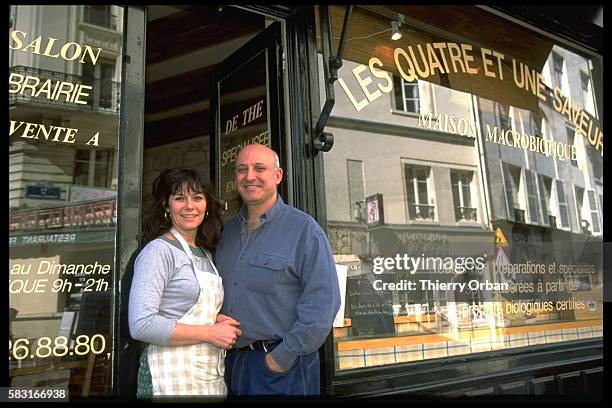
(196, 369)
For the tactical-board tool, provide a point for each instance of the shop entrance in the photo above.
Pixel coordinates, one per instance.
(213, 84)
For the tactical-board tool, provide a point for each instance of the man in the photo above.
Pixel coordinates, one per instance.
(280, 283)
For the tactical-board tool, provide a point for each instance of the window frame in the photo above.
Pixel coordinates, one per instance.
(503, 116)
(592, 199)
(414, 181)
(402, 83)
(93, 165)
(460, 185)
(537, 124)
(587, 93)
(570, 133)
(558, 68)
(514, 188)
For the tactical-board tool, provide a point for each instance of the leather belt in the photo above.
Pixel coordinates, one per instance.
(265, 345)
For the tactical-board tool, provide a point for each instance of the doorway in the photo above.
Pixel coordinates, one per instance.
(194, 71)
(213, 84)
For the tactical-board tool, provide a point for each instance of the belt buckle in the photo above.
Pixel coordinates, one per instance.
(263, 344)
(251, 346)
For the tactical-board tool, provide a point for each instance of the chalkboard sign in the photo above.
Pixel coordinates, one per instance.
(370, 310)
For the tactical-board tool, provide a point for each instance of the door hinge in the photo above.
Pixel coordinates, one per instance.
(284, 59)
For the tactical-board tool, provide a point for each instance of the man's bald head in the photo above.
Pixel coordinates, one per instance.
(258, 173)
(260, 148)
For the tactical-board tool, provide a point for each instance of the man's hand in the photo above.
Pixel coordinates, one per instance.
(273, 365)
(222, 335)
(221, 318)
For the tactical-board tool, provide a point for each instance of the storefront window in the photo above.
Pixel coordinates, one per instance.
(481, 238)
(64, 94)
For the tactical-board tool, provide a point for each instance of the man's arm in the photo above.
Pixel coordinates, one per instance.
(318, 304)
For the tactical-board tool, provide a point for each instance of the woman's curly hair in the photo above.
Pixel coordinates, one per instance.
(181, 180)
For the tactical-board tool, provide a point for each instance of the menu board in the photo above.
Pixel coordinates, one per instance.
(370, 310)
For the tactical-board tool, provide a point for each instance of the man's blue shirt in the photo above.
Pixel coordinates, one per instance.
(280, 281)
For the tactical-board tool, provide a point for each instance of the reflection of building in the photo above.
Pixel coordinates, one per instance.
(549, 206)
(427, 175)
(62, 194)
(426, 147)
(96, 27)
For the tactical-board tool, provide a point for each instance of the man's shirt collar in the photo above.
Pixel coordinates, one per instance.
(268, 215)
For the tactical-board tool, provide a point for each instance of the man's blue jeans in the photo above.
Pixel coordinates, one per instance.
(247, 374)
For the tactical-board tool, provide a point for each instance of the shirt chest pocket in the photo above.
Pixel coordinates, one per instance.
(265, 271)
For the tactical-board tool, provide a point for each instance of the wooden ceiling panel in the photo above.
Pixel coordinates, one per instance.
(197, 27)
(178, 90)
(189, 125)
(193, 86)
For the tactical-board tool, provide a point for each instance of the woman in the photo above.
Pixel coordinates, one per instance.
(177, 293)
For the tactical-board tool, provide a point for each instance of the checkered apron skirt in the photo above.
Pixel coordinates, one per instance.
(196, 369)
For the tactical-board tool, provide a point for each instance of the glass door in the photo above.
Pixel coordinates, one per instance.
(246, 108)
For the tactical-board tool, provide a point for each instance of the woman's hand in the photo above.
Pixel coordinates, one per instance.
(224, 334)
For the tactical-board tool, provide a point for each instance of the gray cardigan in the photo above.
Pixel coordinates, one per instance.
(164, 288)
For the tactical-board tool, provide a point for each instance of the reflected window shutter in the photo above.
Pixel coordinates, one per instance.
(562, 201)
(410, 193)
(532, 197)
(508, 190)
(596, 228)
(601, 203)
(543, 199)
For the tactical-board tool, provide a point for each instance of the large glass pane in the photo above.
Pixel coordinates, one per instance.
(64, 93)
(356, 184)
(472, 255)
(244, 119)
